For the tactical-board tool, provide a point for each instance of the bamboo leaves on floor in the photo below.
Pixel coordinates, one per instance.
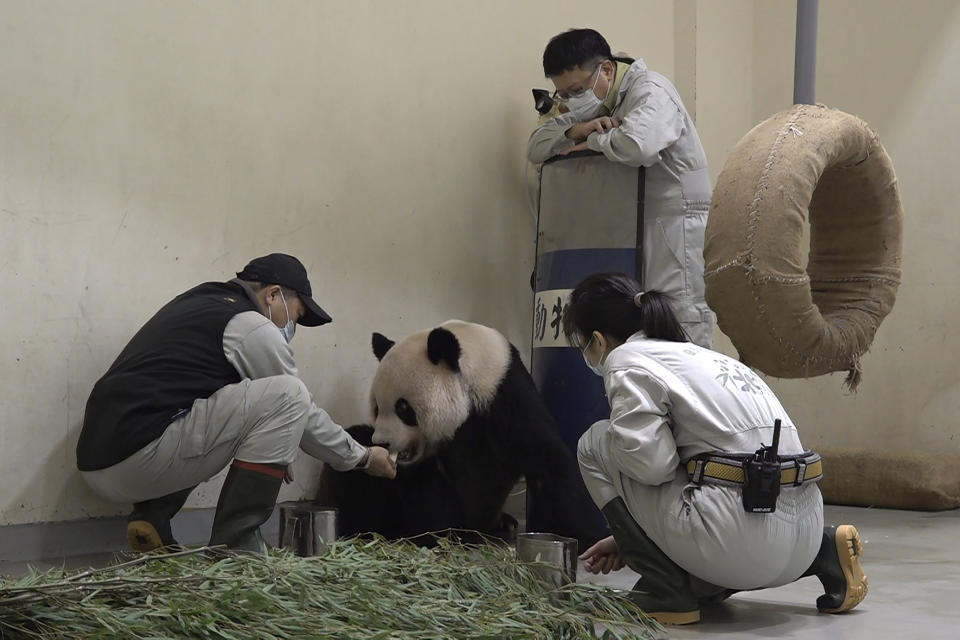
(357, 590)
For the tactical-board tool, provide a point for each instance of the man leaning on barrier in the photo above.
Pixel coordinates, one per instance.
(618, 107)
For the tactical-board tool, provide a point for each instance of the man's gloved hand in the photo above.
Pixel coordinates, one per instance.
(378, 463)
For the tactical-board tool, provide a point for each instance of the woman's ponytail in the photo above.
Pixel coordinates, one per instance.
(614, 304)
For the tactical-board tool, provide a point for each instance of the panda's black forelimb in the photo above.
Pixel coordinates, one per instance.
(554, 483)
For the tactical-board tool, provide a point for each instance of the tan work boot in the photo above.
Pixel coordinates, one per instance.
(143, 536)
(837, 565)
(148, 526)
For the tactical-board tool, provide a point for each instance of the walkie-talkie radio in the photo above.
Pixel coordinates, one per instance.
(761, 477)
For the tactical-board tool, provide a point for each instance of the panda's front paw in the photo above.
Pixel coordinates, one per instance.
(507, 528)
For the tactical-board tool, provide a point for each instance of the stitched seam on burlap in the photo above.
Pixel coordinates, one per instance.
(753, 218)
(781, 279)
(753, 222)
(736, 262)
(892, 281)
(789, 346)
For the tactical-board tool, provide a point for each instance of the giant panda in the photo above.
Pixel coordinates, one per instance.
(457, 407)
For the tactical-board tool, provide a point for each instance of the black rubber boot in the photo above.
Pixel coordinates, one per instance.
(665, 592)
(247, 500)
(837, 565)
(148, 526)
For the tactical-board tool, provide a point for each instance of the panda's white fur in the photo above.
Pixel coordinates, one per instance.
(479, 424)
(441, 396)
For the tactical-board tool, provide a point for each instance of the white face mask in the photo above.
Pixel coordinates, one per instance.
(290, 328)
(587, 105)
(596, 368)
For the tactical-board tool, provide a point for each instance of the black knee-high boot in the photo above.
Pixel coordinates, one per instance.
(665, 591)
(837, 565)
(148, 525)
(247, 500)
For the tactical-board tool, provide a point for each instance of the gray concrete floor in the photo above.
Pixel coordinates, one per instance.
(911, 560)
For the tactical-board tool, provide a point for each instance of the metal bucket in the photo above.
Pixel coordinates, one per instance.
(306, 528)
(558, 553)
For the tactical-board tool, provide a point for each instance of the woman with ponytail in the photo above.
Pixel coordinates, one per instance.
(668, 468)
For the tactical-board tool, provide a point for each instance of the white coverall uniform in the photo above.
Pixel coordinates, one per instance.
(671, 401)
(656, 132)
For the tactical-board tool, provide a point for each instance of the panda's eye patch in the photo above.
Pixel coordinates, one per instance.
(406, 413)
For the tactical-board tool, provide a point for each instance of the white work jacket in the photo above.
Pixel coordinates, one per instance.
(670, 401)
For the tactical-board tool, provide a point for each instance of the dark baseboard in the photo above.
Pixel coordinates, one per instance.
(50, 541)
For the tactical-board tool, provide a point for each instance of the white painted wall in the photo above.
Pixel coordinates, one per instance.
(725, 60)
(895, 65)
(149, 146)
(145, 147)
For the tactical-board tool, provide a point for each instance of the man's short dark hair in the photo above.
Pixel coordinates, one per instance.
(582, 48)
(257, 287)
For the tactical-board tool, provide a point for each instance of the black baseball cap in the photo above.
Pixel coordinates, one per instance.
(287, 271)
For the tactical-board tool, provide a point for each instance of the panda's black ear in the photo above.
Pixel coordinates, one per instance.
(381, 344)
(443, 346)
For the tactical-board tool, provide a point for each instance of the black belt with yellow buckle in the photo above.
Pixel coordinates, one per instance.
(726, 468)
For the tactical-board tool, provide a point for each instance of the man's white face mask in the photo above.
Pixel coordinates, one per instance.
(290, 328)
(586, 106)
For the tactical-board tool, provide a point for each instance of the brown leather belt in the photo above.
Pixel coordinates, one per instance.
(729, 470)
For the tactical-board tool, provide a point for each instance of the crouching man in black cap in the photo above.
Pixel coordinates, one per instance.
(210, 381)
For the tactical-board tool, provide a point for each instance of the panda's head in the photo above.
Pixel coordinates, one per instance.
(429, 383)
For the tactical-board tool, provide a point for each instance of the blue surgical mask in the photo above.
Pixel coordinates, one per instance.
(290, 328)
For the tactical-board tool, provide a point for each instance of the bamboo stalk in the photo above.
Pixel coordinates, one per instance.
(359, 590)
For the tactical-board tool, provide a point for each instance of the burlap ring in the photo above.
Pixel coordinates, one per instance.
(784, 319)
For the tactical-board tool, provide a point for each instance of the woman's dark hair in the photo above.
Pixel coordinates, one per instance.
(576, 48)
(607, 302)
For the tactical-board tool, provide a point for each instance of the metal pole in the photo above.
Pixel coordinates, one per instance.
(805, 55)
